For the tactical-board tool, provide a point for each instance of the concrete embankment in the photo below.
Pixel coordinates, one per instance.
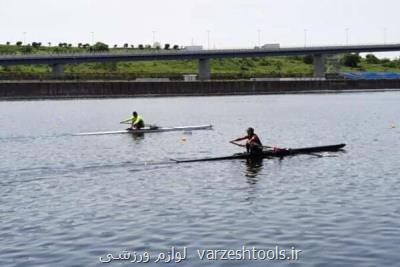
(98, 89)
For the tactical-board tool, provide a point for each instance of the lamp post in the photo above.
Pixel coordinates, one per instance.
(208, 39)
(384, 35)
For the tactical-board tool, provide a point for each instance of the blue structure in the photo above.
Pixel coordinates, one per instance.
(370, 75)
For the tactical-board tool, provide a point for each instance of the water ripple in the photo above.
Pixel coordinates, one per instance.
(66, 201)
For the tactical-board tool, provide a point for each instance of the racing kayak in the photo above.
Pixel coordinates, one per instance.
(151, 129)
(280, 153)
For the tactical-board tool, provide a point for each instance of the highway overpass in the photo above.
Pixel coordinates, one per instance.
(203, 56)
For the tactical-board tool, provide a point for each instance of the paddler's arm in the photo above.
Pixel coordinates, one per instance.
(127, 120)
(239, 139)
(134, 122)
(234, 142)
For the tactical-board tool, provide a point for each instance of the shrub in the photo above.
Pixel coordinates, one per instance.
(371, 59)
(99, 47)
(351, 60)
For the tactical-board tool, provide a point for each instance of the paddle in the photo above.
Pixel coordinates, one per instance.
(233, 142)
(128, 121)
(146, 125)
(241, 145)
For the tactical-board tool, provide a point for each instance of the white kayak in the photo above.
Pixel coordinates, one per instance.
(152, 129)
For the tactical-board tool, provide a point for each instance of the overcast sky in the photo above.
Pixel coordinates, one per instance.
(228, 23)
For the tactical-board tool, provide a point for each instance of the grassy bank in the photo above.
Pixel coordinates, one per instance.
(221, 68)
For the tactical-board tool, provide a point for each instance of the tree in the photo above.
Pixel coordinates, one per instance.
(371, 59)
(166, 46)
(36, 45)
(176, 47)
(141, 46)
(115, 46)
(80, 45)
(351, 60)
(19, 43)
(8, 43)
(126, 45)
(99, 47)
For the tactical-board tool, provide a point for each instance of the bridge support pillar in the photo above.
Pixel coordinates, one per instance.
(57, 70)
(204, 69)
(319, 65)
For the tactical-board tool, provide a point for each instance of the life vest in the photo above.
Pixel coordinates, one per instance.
(137, 120)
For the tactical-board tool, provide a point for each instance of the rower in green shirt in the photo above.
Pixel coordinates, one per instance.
(136, 121)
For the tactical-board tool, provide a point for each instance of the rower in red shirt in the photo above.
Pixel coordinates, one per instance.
(253, 144)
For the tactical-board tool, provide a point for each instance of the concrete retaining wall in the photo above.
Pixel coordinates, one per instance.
(76, 89)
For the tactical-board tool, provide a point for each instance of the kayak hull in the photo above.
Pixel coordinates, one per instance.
(273, 153)
(150, 130)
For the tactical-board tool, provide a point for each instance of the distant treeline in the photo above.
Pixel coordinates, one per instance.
(38, 47)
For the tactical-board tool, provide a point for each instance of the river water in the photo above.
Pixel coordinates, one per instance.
(79, 200)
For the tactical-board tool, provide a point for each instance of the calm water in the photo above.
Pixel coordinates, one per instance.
(68, 200)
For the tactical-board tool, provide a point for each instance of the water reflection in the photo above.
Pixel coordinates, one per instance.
(138, 137)
(253, 167)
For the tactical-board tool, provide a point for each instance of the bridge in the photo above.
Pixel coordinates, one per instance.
(203, 56)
